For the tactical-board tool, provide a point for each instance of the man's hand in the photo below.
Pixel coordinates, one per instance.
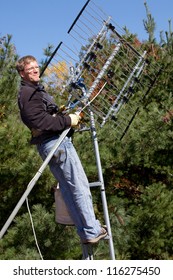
(75, 118)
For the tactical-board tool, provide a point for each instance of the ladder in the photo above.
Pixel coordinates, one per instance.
(87, 249)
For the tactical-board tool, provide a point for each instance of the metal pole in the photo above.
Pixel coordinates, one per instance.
(32, 183)
(87, 251)
(102, 187)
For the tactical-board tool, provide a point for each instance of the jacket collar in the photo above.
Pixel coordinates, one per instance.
(38, 86)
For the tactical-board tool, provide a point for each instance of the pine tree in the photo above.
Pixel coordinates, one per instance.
(149, 24)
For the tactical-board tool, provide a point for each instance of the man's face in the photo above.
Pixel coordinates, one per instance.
(31, 72)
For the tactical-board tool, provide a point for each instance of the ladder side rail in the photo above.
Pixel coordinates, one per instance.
(102, 187)
(87, 250)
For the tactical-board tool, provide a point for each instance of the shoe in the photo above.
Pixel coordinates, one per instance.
(96, 239)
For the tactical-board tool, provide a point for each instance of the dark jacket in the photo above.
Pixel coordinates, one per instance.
(39, 112)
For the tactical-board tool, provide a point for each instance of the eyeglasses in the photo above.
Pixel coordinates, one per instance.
(31, 69)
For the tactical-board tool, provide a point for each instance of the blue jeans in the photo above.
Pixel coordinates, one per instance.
(66, 167)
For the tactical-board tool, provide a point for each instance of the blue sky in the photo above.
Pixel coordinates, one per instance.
(35, 23)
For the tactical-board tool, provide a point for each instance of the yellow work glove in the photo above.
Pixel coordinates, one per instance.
(75, 118)
(62, 108)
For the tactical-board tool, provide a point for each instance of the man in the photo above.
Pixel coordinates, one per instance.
(40, 114)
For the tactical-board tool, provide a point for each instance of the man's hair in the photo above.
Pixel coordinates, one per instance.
(20, 65)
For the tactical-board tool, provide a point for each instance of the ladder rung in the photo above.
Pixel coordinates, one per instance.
(95, 184)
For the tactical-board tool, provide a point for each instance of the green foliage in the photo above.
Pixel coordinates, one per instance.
(54, 241)
(152, 224)
(149, 24)
(8, 77)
